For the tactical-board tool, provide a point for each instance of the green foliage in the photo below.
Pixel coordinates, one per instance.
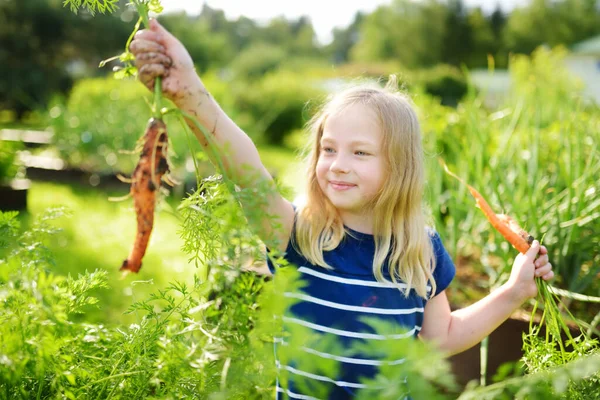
(202, 329)
(207, 47)
(8, 157)
(540, 149)
(410, 32)
(553, 23)
(45, 48)
(575, 380)
(92, 6)
(257, 60)
(9, 227)
(104, 117)
(276, 105)
(30, 64)
(443, 81)
(559, 346)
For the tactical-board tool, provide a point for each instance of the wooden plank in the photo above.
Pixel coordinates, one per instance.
(26, 136)
(42, 162)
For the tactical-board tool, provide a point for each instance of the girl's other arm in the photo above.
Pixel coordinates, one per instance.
(460, 330)
(158, 53)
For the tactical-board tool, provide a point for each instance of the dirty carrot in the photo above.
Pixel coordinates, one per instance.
(504, 224)
(147, 175)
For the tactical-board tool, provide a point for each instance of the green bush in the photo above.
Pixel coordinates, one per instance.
(104, 117)
(8, 155)
(443, 81)
(276, 105)
(257, 60)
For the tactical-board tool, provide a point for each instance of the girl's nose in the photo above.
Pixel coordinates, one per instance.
(339, 165)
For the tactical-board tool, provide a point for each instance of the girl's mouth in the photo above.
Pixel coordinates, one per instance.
(341, 185)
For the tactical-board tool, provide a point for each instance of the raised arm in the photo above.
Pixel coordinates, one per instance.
(159, 53)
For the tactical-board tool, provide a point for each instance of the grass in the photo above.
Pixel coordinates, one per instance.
(99, 234)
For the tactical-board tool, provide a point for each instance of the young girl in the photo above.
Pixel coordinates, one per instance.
(360, 242)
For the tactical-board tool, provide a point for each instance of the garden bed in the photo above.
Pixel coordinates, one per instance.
(13, 196)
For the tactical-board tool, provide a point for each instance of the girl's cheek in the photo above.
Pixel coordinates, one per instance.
(322, 168)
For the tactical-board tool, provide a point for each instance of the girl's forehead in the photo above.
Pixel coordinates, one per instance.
(353, 120)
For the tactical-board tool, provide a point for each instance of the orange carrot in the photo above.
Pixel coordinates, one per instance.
(145, 182)
(511, 231)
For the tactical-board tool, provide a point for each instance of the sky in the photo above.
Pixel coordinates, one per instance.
(325, 14)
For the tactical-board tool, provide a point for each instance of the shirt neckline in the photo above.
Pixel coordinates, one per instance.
(357, 234)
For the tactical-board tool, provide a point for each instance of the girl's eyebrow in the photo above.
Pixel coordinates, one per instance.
(352, 143)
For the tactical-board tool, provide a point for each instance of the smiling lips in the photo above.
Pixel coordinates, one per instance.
(338, 185)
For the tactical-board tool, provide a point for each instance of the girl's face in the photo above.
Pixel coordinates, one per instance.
(350, 167)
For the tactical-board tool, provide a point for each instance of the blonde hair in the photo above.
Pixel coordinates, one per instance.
(399, 228)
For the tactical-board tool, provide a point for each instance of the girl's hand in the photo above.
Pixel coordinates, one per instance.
(158, 53)
(526, 267)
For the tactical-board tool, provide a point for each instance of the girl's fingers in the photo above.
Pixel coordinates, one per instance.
(147, 34)
(548, 276)
(541, 261)
(533, 250)
(543, 270)
(147, 73)
(139, 46)
(152, 58)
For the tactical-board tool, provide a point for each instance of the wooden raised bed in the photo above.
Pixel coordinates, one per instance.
(13, 195)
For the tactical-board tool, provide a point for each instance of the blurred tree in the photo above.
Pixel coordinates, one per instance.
(31, 36)
(296, 36)
(551, 22)
(458, 38)
(215, 42)
(208, 49)
(497, 23)
(483, 40)
(344, 39)
(243, 32)
(410, 32)
(257, 60)
(41, 43)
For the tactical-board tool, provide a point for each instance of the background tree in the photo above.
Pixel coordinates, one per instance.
(41, 42)
(459, 36)
(551, 22)
(409, 32)
(483, 40)
(344, 39)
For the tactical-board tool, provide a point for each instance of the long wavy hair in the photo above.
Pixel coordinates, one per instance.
(401, 236)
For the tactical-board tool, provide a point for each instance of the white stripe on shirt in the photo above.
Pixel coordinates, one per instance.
(321, 378)
(367, 310)
(347, 360)
(358, 282)
(359, 335)
(295, 395)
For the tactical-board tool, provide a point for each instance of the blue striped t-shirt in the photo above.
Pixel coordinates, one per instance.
(334, 301)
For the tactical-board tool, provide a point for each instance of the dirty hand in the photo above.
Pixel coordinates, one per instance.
(526, 267)
(158, 53)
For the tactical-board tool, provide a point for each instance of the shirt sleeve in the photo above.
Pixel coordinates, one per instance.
(444, 270)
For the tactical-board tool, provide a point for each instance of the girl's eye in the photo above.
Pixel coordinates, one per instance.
(328, 150)
(361, 153)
